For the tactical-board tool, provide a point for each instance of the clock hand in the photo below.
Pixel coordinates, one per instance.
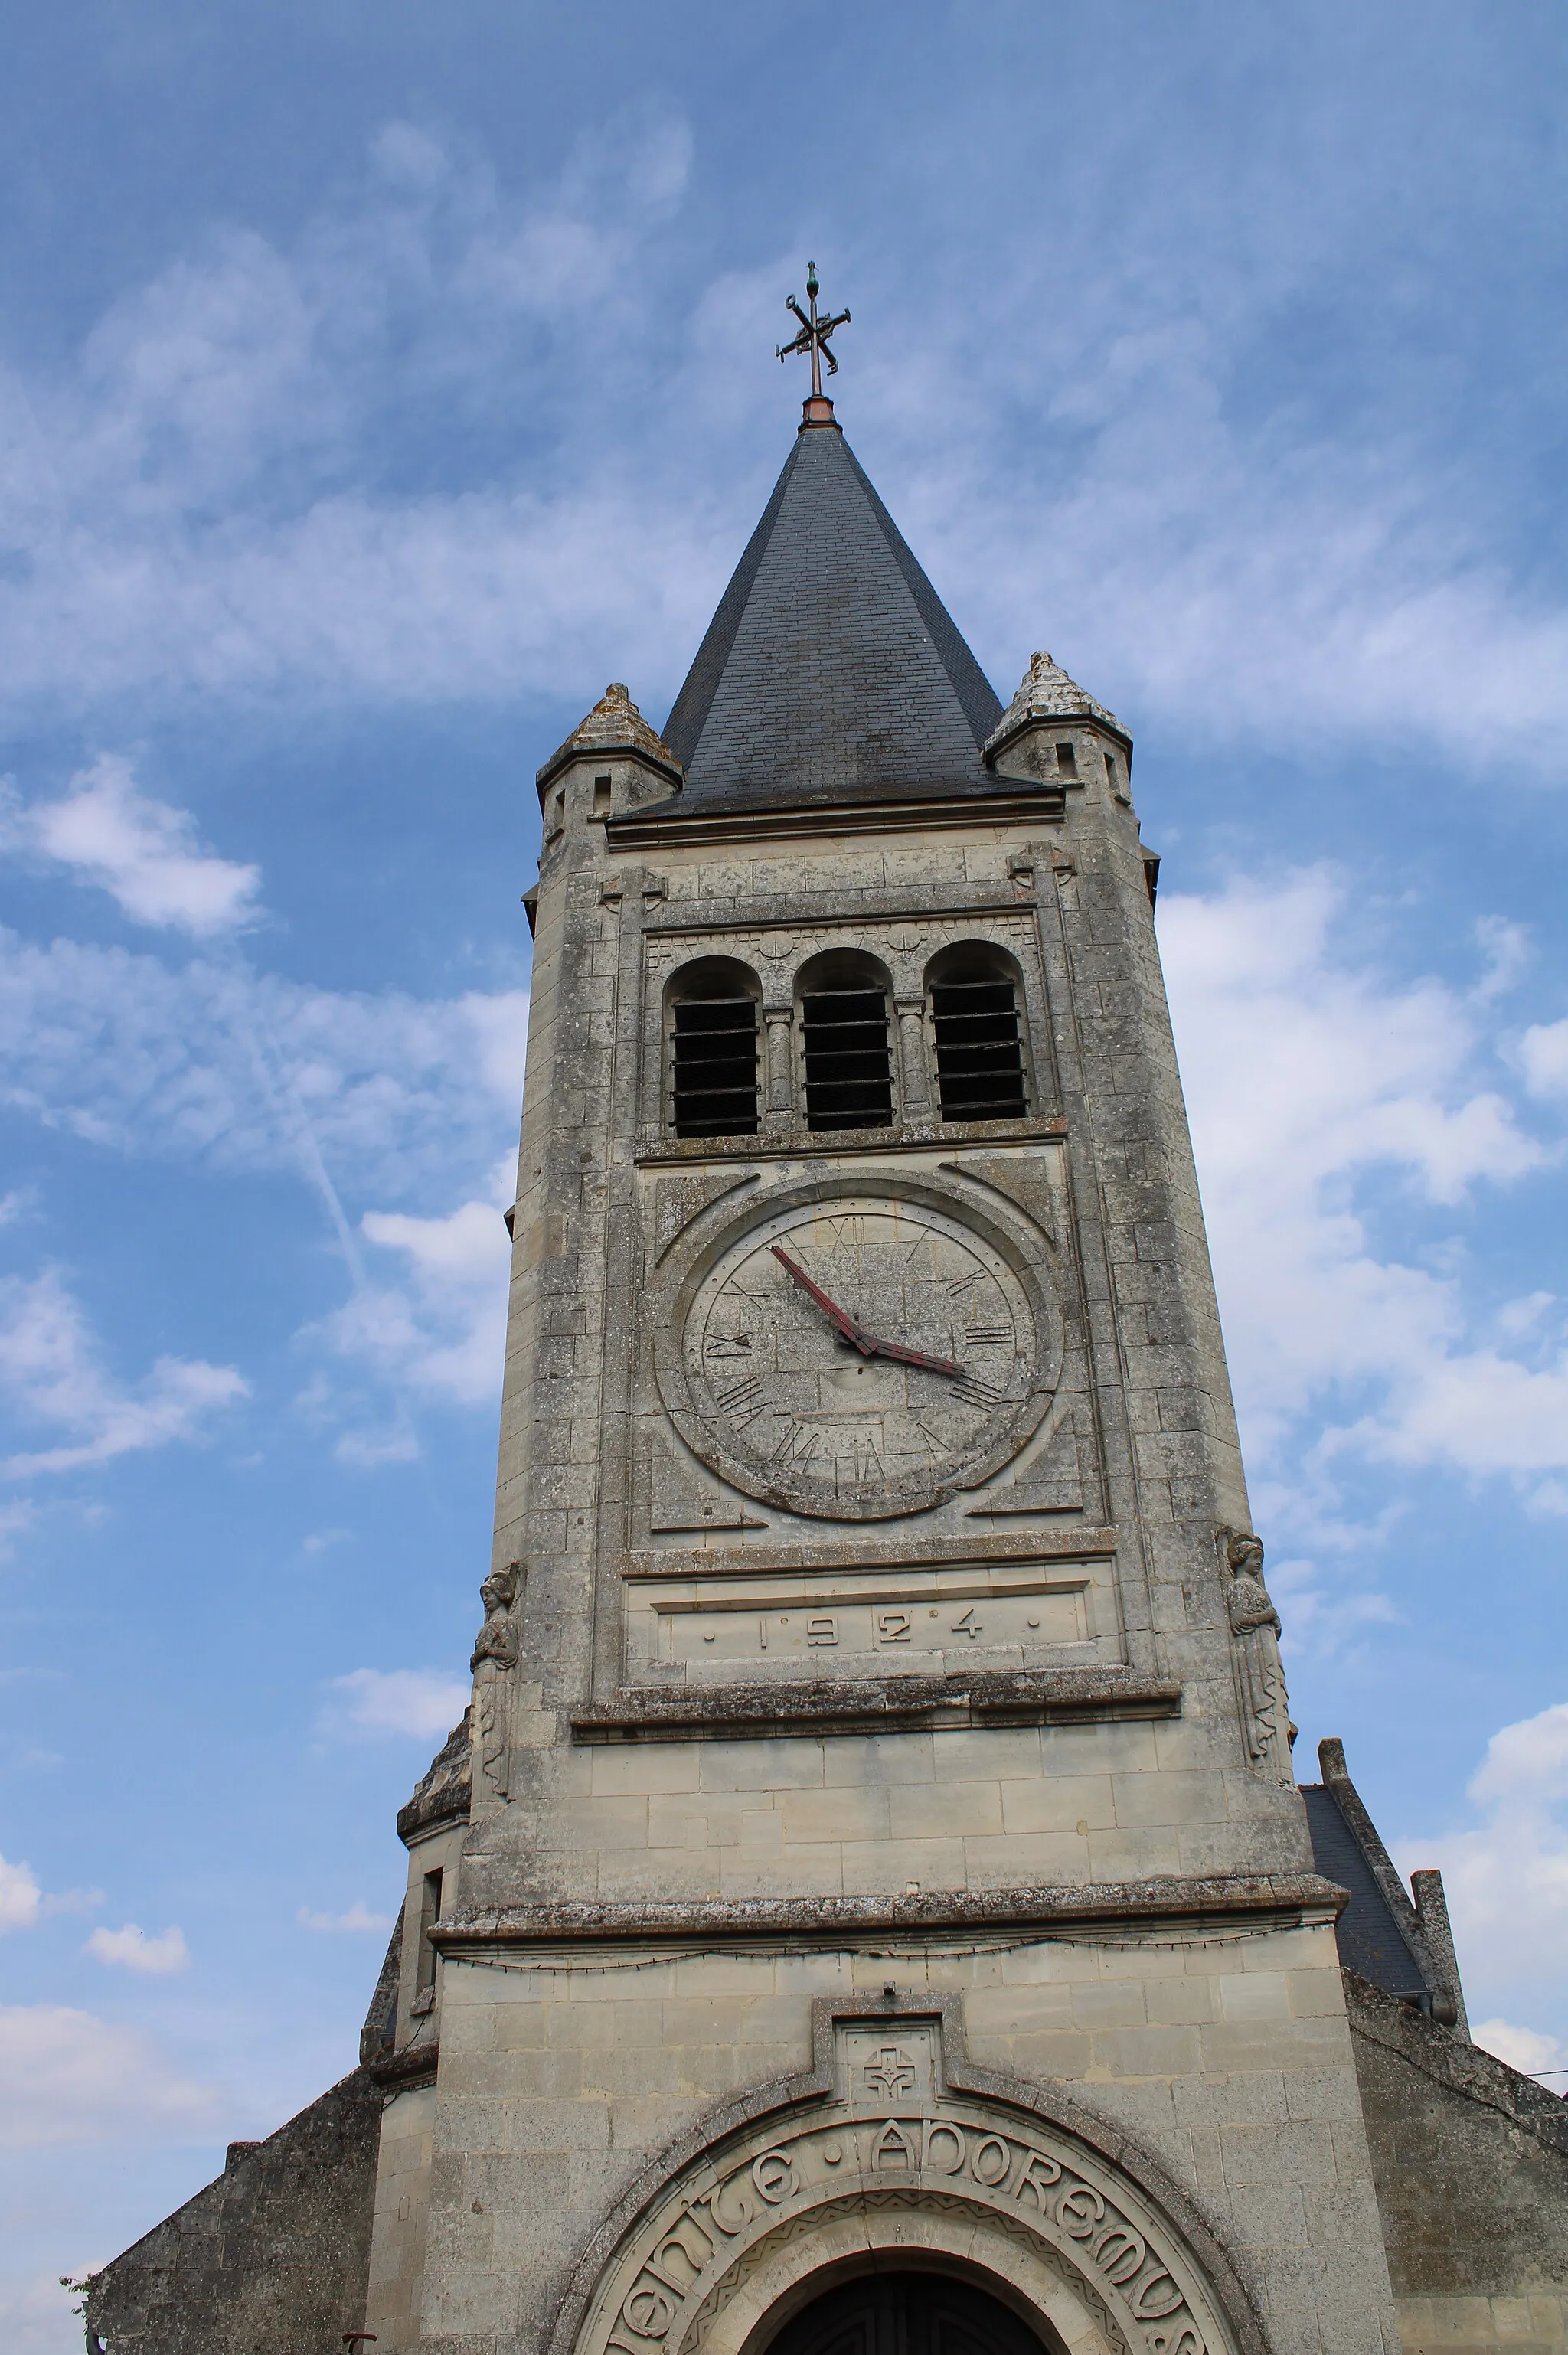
(857, 1335)
(913, 1358)
(830, 1308)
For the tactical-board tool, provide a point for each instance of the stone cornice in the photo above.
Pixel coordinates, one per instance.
(902, 1704)
(667, 826)
(416, 2064)
(1167, 1900)
(789, 911)
(816, 1144)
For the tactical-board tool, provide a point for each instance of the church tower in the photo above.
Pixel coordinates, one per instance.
(884, 1911)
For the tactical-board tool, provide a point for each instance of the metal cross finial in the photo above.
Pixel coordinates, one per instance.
(814, 333)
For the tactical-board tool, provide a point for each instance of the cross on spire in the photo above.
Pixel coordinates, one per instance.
(814, 333)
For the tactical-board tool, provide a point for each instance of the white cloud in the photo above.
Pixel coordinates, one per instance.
(51, 1365)
(142, 851)
(358, 1917)
(416, 1701)
(132, 1949)
(1527, 1759)
(1479, 1409)
(67, 2077)
(1526, 2049)
(1506, 1881)
(1544, 1055)
(21, 1898)
(1307, 1073)
(22, 1904)
(446, 1331)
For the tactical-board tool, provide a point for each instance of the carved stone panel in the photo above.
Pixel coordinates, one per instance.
(893, 2154)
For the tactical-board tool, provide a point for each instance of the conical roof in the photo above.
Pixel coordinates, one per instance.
(615, 725)
(831, 670)
(1046, 692)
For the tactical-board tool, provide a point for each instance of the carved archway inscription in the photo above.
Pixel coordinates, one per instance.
(901, 2161)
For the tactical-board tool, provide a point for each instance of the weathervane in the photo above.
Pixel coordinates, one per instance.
(814, 333)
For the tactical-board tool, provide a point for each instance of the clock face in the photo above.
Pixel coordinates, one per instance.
(861, 1358)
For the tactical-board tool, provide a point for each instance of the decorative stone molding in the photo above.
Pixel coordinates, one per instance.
(1163, 1906)
(400, 2072)
(900, 1704)
(912, 813)
(892, 2149)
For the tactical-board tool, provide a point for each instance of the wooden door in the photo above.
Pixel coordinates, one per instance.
(906, 2314)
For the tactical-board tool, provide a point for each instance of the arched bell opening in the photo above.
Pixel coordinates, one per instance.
(975, 995)
(846, 1041)
(898, 2304)
(710, 1049)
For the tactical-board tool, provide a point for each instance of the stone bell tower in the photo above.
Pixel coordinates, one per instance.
(885, 1913)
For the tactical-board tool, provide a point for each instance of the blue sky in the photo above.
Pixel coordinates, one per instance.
(375, 384)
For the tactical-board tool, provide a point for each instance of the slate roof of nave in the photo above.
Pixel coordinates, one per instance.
(831, 669)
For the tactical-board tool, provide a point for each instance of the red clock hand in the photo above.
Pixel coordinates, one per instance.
(915, 1357)
(830, 1308)
(857, 1334)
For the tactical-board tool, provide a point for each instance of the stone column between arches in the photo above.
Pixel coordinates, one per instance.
(892, 2152)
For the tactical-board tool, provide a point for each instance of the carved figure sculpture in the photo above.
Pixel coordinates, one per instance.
(495, 1657)
(1254, 1624)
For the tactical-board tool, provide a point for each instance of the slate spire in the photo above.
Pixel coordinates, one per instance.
(831, 671)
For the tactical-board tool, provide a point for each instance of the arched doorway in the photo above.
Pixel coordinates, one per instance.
(905, 2313)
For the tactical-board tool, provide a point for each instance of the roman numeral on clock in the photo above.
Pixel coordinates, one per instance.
(978, 1393)
(742, 1400)
(989, 1336)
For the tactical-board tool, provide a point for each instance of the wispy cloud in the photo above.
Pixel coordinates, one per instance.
(241, 1069)
(132, 1949)
(195, 510)
(71, 2078)
(421, 1702)
(357, 1916)
(142, 851)
(208, 505)
(52, 1368)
